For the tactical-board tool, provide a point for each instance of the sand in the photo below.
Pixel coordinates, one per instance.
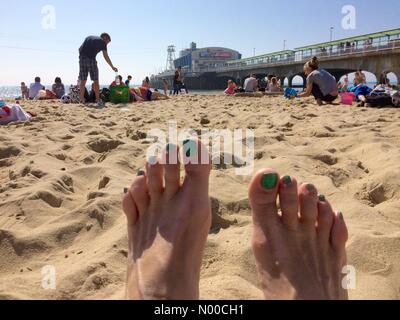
(62, 176)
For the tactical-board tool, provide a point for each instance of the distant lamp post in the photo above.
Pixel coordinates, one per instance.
(284, 45)
(331, 37)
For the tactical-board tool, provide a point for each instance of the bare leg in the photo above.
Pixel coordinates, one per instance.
(96, 88)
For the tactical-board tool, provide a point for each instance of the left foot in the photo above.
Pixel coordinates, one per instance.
(168, 225)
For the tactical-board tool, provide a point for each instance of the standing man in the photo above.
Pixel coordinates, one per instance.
(88, 64)
(181, 79)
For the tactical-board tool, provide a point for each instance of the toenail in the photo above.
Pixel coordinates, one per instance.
(126, 190)
(310, 188)
(190, 148)
(141, 173)
(287, 181)
(269, 181)
(340, 215)
(153, 160)
(322, 198)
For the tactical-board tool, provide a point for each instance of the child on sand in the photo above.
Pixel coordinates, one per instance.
(231, 88)
(24, 91)
(274, 86)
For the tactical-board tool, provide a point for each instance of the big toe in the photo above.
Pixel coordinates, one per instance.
(263, 194)
(196, 159)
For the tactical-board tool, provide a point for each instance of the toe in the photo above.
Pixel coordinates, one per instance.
(339, 234)
(155, 172)
(130, 210)
(197, 163)
(289, 201)
(171, 170)
(325, 220)
(308, 196)
(263, 193)
(139, 193)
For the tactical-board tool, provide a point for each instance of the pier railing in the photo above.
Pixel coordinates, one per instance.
(298, 57)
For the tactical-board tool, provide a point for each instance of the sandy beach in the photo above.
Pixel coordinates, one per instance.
(62, 177)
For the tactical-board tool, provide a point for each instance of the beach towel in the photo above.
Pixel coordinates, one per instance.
(13, 113)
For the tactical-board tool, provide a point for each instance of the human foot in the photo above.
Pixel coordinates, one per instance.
(300, 252)
(168, 225)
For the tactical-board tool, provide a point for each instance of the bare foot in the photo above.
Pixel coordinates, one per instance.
(300, 252)
(168, 225)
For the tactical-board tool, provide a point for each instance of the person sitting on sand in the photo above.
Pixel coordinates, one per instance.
(251, 84)
(231, 90)
(145, 94)
(300, 249)
(146, 83)
(24, 91)
(274, 86)
(35, 88)
(320, 83)
(128, 81)
(58, 88)
(114, 83)
(360, 90)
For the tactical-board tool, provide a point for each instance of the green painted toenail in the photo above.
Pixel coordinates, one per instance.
(310, 188)
(322, 198)
(269, 181)
(190, 148)
(341, 217)
(141, 173)
(126, 190)
(287, 181)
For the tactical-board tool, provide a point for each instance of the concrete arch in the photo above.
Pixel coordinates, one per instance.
(390, 75)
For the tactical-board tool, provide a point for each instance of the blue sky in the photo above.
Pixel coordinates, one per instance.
(142, 30)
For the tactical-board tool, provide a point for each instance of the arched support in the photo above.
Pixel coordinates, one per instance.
(290, 81)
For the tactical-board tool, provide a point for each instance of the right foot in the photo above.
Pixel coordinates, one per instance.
(300, 252)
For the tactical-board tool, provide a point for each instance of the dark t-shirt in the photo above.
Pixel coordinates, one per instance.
(92, 46)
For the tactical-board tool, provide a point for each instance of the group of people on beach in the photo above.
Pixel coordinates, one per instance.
(324, 87)
(38, 91)
(272, 85)
(88, 52)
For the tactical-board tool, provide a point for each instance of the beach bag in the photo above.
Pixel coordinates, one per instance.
(105, 95)
(74, 94)
(119, 94)
(347, 98)
(376, 101)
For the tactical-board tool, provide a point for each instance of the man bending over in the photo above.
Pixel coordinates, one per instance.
(88, 64)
